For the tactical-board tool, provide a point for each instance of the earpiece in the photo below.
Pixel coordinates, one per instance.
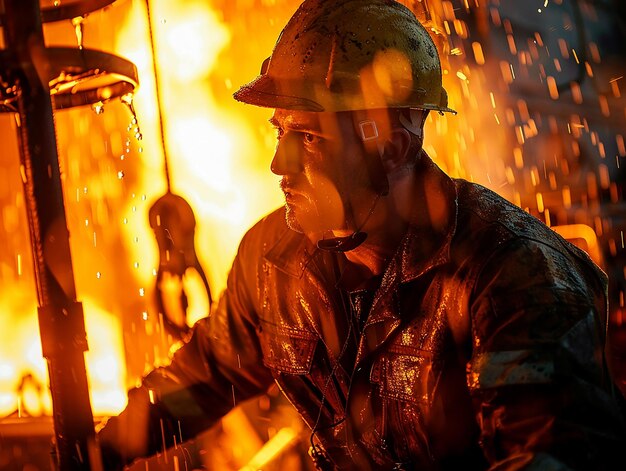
(342, 244)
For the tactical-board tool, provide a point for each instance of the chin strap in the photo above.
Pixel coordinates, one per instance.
(369, 134)
(368, 130)
(415, 123)
(378, 178)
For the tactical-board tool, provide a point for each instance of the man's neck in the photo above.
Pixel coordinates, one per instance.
(369, 260)
(387, 227)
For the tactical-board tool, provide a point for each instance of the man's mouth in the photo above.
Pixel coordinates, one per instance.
(289, 191)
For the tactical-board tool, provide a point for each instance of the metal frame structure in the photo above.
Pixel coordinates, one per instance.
(29, 74)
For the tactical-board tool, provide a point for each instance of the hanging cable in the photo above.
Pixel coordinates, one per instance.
(173, 222)
(157, 93)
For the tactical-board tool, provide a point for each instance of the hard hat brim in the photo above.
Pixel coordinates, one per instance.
(263, 91)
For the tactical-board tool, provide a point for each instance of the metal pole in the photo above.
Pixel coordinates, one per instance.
(61, 319)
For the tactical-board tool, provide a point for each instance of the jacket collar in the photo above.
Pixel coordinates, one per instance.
(291, 253)
(432, 227)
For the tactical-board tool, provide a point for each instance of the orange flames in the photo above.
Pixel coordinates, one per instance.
(21, 361)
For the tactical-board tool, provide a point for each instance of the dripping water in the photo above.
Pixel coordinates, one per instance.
(77, 23)
(134, 123)
(98, 107)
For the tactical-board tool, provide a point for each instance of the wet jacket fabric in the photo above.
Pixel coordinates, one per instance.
(482, 349)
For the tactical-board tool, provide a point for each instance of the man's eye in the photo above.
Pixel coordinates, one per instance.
(308, 137)
(279, 133)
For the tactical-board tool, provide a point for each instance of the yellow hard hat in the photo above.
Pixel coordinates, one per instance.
(341, 55)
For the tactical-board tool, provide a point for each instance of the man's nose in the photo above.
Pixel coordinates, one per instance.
(287, 159)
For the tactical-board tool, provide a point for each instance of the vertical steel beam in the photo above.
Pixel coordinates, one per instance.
(61, 319)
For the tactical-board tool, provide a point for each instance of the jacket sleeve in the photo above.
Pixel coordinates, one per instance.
(537, 374)
(216, 369)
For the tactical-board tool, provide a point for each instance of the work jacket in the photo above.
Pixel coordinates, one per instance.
(482, 347)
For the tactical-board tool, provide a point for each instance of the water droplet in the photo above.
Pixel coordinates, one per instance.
(98, 275)
(98, 107)
(127, 99)
(141, 292)
(144, 315)
(57, 3)
(77, 23)
(120, 174)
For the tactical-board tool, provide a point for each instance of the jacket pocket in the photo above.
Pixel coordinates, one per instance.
(287, 350)
(406, 374)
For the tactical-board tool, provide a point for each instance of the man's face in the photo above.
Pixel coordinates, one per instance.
(325, 180)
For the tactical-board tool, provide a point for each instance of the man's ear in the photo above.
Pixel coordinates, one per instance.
(396, 151)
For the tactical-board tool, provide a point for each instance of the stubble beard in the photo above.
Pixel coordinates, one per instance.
(291, 219)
